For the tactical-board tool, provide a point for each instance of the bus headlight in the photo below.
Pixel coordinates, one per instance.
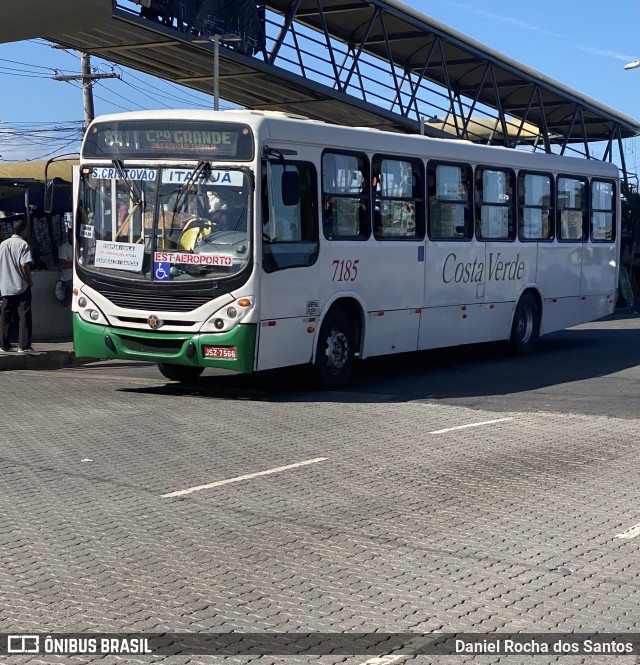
(229, 316)
(90, 312)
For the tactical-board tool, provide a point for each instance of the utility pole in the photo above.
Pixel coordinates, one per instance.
(87, 89)
(87, 79)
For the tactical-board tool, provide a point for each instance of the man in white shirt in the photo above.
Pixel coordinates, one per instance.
(65, 261)
(15, 286)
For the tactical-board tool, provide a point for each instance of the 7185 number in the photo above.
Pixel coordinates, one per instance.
(345, 271)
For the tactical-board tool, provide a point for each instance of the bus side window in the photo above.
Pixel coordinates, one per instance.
(450, 196)
(572, 208)
(495, 204)
(603, 210)
(535, 203)
(346, 196)
(398, 197)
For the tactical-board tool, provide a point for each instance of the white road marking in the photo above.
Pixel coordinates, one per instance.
(418, 643)
(630, 533)
(485, 422)
(237, 479)
(385, 660)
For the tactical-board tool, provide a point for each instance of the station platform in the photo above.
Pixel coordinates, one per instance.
(50, 355)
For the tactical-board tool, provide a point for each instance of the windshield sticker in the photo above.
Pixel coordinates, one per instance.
(181, 176)
(119, 255)
(193, 259)
(161, 270)
(86, 231)
(110, 173)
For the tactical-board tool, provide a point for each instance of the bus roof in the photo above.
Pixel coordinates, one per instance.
(294, 129)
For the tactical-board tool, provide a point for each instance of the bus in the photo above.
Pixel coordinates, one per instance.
(249, 240)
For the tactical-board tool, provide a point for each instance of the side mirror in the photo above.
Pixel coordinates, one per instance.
(290, 188)
(48, 195)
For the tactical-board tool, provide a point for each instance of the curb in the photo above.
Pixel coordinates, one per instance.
(47, 360)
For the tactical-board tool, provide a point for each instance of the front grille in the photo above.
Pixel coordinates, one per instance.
(152, 345)
(152, 301)
(133, 319)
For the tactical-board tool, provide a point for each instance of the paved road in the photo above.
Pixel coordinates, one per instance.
(449, 491)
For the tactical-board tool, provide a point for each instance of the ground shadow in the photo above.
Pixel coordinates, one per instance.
(478, 370)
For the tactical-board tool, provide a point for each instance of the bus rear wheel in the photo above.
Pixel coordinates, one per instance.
(525, 329)
(180, 372)
(335, 354)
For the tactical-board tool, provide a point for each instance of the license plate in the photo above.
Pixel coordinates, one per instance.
(227, 352)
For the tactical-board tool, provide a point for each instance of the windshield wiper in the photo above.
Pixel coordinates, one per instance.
(202, 168)
(134, 188)
(134, 191)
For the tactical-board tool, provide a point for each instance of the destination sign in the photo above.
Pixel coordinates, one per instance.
(158, 139)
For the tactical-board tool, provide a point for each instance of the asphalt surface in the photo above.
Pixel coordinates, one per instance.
(452, 491)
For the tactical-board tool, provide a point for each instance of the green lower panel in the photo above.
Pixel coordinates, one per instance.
(106, 342)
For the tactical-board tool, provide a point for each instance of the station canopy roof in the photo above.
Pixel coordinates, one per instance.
(387, 31)
(34, 170)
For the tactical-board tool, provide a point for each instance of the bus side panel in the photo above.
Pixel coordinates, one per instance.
(282, 333)
(284, 342)
(391, 331)
(439, 327)
(509, 267)
(394, 297)
(455, 273)
(455, 283)
(598, 269)
(559, 313)
(559, 269)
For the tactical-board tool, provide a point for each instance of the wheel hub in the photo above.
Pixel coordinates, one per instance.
(337, 350)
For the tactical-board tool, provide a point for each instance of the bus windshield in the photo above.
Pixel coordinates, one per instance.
(164, 224)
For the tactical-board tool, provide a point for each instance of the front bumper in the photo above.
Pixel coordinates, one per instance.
(107, 342)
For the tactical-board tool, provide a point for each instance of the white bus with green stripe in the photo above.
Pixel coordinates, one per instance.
(250, 241)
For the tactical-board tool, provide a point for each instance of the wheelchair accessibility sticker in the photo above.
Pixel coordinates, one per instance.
(161, 270)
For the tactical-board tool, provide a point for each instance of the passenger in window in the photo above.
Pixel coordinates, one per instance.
(327, 217)
(226, 208)
(378, 226)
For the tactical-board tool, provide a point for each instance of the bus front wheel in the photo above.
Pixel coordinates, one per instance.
(525, 329)
(180, 372)
(335, 354)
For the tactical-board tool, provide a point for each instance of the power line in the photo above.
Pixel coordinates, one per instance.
(87, 78)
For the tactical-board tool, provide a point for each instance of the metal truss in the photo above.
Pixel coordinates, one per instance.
(373, 63)
(402, 62)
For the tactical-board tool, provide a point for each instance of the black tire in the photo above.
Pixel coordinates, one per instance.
(336, 350)
(525, 328)
(180, 372)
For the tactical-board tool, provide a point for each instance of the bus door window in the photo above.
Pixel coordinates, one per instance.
(603, 227)
(450, 196)
(398, 191)
(495, 204)
(572, 208)
(346, 197)
(290, 232)
(535, 202)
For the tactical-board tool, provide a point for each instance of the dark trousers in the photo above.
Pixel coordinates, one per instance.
(20, 304)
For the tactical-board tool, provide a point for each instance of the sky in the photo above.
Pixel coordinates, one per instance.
(582, 44)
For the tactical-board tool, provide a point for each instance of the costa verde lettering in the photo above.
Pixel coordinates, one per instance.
(464, 272)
